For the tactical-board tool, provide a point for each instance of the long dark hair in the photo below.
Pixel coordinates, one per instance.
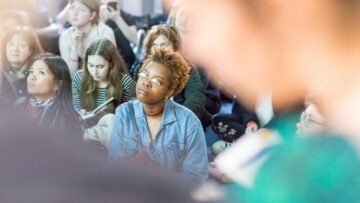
(89, 87)
(61, 73)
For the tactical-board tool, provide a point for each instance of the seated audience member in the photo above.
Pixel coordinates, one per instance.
(115, 14)
(49, 95)
(10, 20)
(86, 28)
(156, 131)
(51, 169)
(193, 95)
(124, 34)
(18, 47)
(104, 76)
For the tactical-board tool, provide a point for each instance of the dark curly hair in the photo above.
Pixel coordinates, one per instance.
(175, 63)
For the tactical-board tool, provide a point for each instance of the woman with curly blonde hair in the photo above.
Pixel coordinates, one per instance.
(193, 94)
(156, 131)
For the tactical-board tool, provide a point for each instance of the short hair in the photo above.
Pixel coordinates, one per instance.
(174, 62)
(168, 31)
(93, 5)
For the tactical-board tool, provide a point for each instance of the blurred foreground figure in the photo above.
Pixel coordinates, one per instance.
(320, 169)
(277, 46)
(286, 48)
(38, 167)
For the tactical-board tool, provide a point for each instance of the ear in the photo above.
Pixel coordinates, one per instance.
(169, 94)
(93, 14)
(57, 86)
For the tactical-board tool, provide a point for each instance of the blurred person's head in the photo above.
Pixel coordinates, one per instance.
(48, 78)
(312, 170)
(277, 46)
(83, 12)
(163, 74)
(10, 20)
(27, 153)
(18, 47)
(161, 36)
(103, 67)
(181, 22)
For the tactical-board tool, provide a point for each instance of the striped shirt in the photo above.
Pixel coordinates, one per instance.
(128, 87)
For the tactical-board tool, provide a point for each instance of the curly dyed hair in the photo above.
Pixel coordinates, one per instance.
(167, 31)
(175, 63)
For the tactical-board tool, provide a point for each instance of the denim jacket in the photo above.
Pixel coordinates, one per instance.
(179, 145)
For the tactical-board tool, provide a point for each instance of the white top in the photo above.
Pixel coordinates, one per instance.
(67, 45)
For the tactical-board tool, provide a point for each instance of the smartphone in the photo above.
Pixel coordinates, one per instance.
(113, 5)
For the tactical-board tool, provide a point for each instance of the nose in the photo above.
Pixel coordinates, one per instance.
(146, 83)
(15, 47)
(32, 77)
(96, 71)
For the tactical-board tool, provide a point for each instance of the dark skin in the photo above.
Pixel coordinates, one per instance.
(152, 89)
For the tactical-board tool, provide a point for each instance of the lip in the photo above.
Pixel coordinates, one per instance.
(96, 77)
(142, 91)
(30, 85)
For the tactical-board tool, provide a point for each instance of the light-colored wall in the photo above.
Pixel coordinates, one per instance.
(139, 7)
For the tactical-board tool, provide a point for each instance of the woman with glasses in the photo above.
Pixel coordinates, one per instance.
(156, 131)
(193, 94)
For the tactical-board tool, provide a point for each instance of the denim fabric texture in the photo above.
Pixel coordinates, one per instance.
(179, 146)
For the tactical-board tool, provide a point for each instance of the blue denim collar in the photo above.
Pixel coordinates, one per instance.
(168, 116)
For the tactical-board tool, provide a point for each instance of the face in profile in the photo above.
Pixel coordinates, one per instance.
(40, 82)
(79, 14)
(162, 42)
(311, 121)
(153, 84)
(98, 68)
(17, 50)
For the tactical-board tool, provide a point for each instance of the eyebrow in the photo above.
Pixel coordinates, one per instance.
(159, 77)
(41, 69)
(98, 65)
(156, 76)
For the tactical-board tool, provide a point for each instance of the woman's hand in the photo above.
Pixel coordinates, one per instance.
(108, 13)
(77, 35)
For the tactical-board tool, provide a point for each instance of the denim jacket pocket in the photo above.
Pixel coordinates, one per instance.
(175, 152)
(129, 146)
